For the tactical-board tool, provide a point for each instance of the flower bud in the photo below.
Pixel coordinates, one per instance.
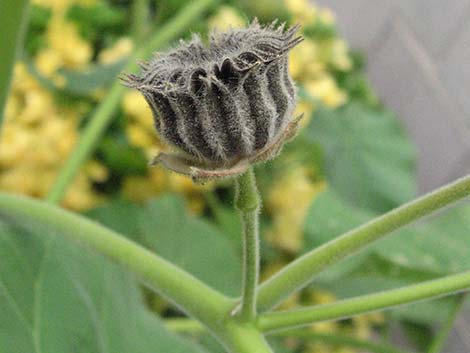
(222, 106)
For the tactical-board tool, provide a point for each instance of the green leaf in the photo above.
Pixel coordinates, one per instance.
(56, 297)
(192, 243)
(377, 274)
(121, 216)
(369, 160)
(99, 20)
(82, 83)
(408, 256)
(121, 157)
(440, 245)
(226, 218)
(327, 218)
(164, 226)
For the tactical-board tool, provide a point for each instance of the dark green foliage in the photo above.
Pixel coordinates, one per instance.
(413, 254)
(56, 297)
(165, 227)
(368, 158)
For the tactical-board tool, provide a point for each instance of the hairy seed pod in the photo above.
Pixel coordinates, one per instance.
(222, 106)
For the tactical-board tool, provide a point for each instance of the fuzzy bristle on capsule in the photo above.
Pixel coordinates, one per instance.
(226, 102)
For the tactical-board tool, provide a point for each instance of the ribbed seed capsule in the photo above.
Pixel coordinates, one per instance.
(222, 106)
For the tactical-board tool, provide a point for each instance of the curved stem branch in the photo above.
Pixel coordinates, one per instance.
(360, 305)
(188, 293)
(440, 340)
(247, 202)
(301, 272)
(104, 113)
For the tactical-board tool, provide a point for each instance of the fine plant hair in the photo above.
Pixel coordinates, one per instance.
(224, 102)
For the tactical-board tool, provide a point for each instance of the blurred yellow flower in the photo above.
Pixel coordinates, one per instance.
(288, 203)
(37, 137)
(48, 61)
(326, 90)
(336, 52)
(303, 10)
(119, 50)
(137, 109)
(306, 108)
(63, 37)
(226, 17)
(305, 61)
(326, 16)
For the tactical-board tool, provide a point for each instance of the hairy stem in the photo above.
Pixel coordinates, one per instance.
(247, 201)
(300, 273)
(188, 293)
(440, 340)
(14, 19)
(104, 113)
(360, 305)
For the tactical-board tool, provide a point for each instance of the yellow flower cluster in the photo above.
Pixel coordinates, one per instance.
(288, 202)
(65, 48)
(39, 133)
(37, 137)
(312, 60)
(225, 18)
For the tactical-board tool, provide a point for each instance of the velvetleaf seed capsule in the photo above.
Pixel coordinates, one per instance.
(223, 106)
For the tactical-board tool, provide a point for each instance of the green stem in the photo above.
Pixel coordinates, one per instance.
(300, 273)
(184, 325)
(140, 17)
(188, 293)
(247, 201)
(360, 305)
(103, 115)
(13, 19)
(440, 340)
(340, 340)
(241, 338)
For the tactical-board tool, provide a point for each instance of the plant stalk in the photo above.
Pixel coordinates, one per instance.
(104, 113)
(300, 273)
(14, 20)
(440, 340)
(241, 338)
(247, 201)
(140, 20)
(350, 307)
